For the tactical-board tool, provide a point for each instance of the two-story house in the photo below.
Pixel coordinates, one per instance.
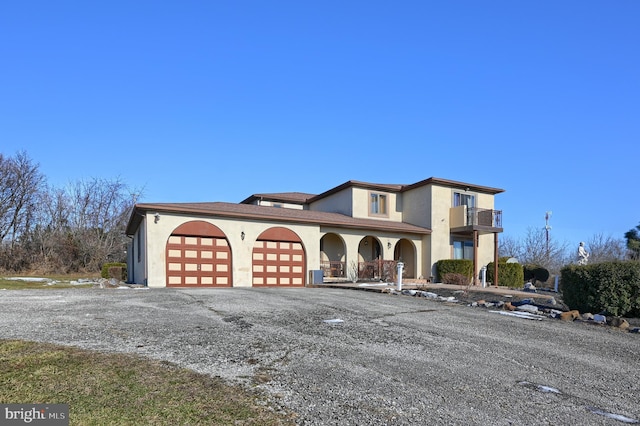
(356, 230)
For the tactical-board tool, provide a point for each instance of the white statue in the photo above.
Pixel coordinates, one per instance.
(583, 255)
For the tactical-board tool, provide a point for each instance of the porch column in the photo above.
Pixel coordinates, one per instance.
(495, 259)
(475, 257)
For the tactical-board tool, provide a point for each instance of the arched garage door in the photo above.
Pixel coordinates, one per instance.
(278, 259)
(198, 255)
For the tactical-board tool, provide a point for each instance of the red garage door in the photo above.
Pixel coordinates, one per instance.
(278, 259)
(198, 255)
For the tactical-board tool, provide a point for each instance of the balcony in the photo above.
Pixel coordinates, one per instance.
(466, 219)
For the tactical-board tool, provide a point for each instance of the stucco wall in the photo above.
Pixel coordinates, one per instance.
(440, 224)
(416, 206)
(340, 202)
(361, 205)
(136, 269)
(241, 250)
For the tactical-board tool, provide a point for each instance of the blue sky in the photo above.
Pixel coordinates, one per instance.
(217, 100)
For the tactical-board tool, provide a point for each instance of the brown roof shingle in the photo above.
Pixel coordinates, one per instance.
(251, 211)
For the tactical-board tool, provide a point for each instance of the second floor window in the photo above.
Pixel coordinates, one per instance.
(460, 199)
(378, 204)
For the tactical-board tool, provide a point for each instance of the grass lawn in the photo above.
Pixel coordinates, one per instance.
(116, 389)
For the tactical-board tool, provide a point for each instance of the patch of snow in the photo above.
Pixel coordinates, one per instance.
(523, 315)
(618, 417)
(28, 279)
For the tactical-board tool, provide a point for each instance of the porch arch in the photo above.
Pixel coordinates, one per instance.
(405, 252)
(333, 256)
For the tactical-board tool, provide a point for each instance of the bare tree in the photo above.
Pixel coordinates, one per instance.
(533, 249)
(509, 247)
(20, 186)
(99, 211)
(605, 249)
(20, 183)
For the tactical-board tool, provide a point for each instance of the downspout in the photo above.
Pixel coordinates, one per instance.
(475, 257)
(495, 259)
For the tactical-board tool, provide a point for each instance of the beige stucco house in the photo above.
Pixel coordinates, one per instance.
(356, 230)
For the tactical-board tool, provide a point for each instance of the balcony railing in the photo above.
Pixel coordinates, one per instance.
(484, 217)
(462, 216)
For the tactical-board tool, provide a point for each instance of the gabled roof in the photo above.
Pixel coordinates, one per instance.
(252, 211)
(359, 184)
(454, 184)
(403, 188)
(285, 197)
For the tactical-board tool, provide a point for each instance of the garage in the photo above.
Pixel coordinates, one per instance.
(278, 259)
(198, 255)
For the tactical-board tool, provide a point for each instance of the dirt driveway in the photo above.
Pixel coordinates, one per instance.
(343, 357)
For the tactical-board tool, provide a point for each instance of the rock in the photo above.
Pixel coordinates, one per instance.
(621, 323)
(523, 302)
(528, 308)
(530, 287)
(409, 292)
(553, 302)
(599, 318)
(509, 306)
(570, 316)
(481, 302)
(587, 316)
(635, 330)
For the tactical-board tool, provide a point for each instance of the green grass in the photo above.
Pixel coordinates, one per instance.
(115, 389)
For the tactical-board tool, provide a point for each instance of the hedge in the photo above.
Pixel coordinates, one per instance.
(610, 287)
(509, 274)
(535, 272)
(107, 266)
(454, 266)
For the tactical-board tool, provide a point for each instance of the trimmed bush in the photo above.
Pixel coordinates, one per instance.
(108, 270)
(535, 272)
(455, 266)
(454, 278)
(612, 287)
(509, 274)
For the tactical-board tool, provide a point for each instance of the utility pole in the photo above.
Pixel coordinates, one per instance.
(547, 228)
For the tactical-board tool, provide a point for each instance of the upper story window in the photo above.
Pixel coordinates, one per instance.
(462, 199)
(378, 204)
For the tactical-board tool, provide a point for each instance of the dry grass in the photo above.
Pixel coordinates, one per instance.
(115, 389)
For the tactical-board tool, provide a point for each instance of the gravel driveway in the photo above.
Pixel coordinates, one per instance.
(389, 360)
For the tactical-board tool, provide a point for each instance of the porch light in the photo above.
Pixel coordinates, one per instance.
(366, 242)
(389, 244)
(242, 235)
(156, 218)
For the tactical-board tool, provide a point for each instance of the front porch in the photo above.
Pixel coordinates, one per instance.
(373, 258)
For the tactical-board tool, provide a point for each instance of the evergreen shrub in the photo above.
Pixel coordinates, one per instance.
(610, 287)
(509, 274)
(107, 266)
(454, 266)
(535, 272)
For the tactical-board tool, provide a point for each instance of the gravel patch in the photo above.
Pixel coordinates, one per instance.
(335, 356)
